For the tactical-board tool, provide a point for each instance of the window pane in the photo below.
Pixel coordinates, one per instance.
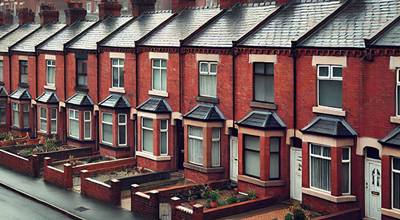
(204, 67)
(156, 79)
(320, 173)
(1, 71)
(87, 116)
(396, 164)
(215, 133)
(195, 151)
(122, 135)
(215, 154)
(87, 134)
(163, 143)
(398, 100)
(163, 80)
(53, 113)
(326, 152)
(164, 124)
(316, 150)
(323, 71)
(107, 133)
(330, 93)
(269, 68)
(345, 177)
(274, 166)
(121, 118)
(345, 154)
(275, 144)
(115, 77)
(264, 88)
(213, 68)
(336, 71)
(43, 113)
(259, 68)
(208, 85)
(107, 117)
(3, 106)
(147, 140)
(148, 123)
(74, 128)
(164, 63)
(121, 77)
(26, 119)
(252, 142)
(252, 163)
(396, 190)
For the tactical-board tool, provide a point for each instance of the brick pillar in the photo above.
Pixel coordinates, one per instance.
(83, 175)
(134, 189)
(305, 165)
(386, 181)
(155, 202)
(47, 161)
(68, 176)
(115, 192)
(35, 164)
(74, 12)
(207, 143)
(174, 202)
(240, 154)
(141, 6)
(336, 171)
(225, 4)
(156, 137)
(264, 158)
(48, 14)
(179, 5)
(198, 212)
(109, 8)
(25, 16)
(115, 129)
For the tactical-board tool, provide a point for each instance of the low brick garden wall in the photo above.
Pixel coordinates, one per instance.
(354, 213)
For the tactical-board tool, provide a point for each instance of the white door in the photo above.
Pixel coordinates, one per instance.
(295, 173)
(234, 159)
(373, 182)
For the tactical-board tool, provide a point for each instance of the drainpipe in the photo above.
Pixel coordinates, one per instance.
(233, 85)
(98, 97)
(180, 78)
(65, 95)
(294, 60)
(10, 70)
(36, 91)
(136, 96)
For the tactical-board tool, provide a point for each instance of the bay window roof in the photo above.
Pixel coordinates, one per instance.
(392, 139)
(48, 97)
(330, 126)
(156, 105)
(205, 112)
(115, 101)
(21, 94)
(266, 120)
(3, 92)
(80, 99)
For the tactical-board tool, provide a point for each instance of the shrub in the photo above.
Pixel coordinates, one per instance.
(289, 216)
(232, 200)
(251, 195)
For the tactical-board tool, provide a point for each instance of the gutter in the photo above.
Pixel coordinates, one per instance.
(294, 61)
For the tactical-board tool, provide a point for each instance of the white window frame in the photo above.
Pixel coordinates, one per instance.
(320, 157)
(397, 93)
(148, 129)
(216, 139)
(166, 133)
(42, 119)
(26, 74)
(120, 71)
(329, 77)
(392, 177)
(160, 68)
(208, 73)
(53, 119)
(349, 162)
(72, 113)
(107, 123)
(196, 138)
(50, 64)
(1, 71)
(125, 124)
(87, 121)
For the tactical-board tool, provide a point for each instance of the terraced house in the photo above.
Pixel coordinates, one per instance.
(293, 99)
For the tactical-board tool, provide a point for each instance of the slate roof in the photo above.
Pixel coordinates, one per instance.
(29, 43)
(392, 139)
(137, 29)
(3, 92)
(205, 112)
(57, 42)
(391, 37)
(330, 126)
(266, 120)
(5, 29)
(21, 94)
(80, 99)
(359, 20)
(291, 23)
(180, 27)
(12, 38)
(156, 105)
(115, 101)
(89, 39)
(48, 97)
(232, 25)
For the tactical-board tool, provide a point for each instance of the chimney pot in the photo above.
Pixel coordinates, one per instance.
(282, 2)
(141, 6)
(26, 16)
(75, 12)
(179, 5)
(48, 14)
(6, 17)
(109, 8)
(225, 4)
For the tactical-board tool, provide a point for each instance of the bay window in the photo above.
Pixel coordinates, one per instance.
(23, 71)
(264, 82)
(330, 86)
(396, 183)
(3, 108)
(1, 71)
(117, 73)
(107, 125)
(320, 167)
(215, 151)
(15, 114)
(53, 118)
(81, 72)
(159, 74)
(164, 137)
(251, 156)
(147, 135)
(87, 125)
(274, 158)
(74, 123)
(50, 72)
(25, 115)
(208, 79)
(122, 130)
(346, 183)
(195, 145)
(398, 92)
(43, 120)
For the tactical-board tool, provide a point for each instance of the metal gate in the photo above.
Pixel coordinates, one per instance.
(165, 211)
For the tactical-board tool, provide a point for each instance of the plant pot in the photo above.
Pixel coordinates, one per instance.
(213, 204)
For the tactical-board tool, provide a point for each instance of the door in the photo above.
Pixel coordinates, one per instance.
(180, 144)
(234, 159)
(373, 182)
(295, 173)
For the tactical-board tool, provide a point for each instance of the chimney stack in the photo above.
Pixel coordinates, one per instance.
(141, 6)
(109, 8)
(48, 14)
(226, 4)
(25, 16)
(179, 5)
(282, 2)
(75, 12)
(6, 17)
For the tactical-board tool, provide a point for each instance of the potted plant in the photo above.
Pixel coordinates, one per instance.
(213, 198)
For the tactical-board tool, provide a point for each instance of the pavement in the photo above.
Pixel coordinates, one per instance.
(66, 202)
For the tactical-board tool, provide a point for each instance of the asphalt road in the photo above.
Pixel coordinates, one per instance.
(13, 206)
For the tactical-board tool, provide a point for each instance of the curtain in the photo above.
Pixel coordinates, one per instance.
(107, 128)
(252, 156)
(274, 163)
(73, 128)
(3, 107)
(43, 119)
(345, 177)
(53, 120)
(87, 125)
(208, 85)
(320, 173)
(195, 145)
(330, 93)
(147, 140)
(215, 150)
(26, 115)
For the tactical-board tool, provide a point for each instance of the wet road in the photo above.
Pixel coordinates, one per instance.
(13, 206)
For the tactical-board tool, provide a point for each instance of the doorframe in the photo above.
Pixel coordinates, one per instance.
(231, 157)
(292, 175)
(366, 178)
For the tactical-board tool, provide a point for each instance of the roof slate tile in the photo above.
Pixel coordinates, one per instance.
(21, 32)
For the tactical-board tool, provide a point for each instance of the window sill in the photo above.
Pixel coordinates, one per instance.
(329, 197)
(203, 169)
(152, 157)
(158, 93)
(207, 99)
(395, 119)
(81, 88)
(116, 148)
(391, 213)
(262, 183)
(270, 106)
(117, 90)
(50, 87)
(328, 111)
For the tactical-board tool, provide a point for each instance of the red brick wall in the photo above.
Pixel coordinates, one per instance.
(27, 166)
(31, 73)
(59, 75)
(322, 205)
(109, 193)
(61, 178)
(6, 73)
